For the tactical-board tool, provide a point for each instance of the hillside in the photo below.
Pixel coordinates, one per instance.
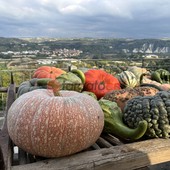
(113, 45)
(89, 45)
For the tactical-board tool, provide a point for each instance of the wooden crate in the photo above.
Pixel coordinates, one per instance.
(107, 153)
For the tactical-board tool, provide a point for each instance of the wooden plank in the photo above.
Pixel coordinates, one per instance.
(2, 164)
(22, 156)
(5, 141)
(112, 139)
(3, 89)
(103, 143)
(128, 156)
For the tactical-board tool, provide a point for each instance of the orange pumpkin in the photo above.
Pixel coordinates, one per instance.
(47, 72)
(53, 126)
(100, 82)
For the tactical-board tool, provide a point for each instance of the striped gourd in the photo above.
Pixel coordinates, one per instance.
(127, 79)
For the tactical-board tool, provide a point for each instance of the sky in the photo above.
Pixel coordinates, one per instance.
(85, 18)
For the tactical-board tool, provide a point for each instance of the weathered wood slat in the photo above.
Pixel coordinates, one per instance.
(95, 146)
(128, 156)
(22, 156)
(2, 163)
(103, 143)
(5, 141)
(3, 89)
(112, 139)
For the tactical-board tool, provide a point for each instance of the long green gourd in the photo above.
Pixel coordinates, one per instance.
(113, 122)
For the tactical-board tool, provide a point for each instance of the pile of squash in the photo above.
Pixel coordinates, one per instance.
(144, 102)
(58, 113)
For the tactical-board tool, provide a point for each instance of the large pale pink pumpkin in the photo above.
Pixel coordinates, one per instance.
(54, 126)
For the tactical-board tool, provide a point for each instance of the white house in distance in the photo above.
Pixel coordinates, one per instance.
(149, 56)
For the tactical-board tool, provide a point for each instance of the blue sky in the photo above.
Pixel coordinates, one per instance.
(85, 18)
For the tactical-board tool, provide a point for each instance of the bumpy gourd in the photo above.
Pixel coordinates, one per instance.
(154, 109)
(123, 95)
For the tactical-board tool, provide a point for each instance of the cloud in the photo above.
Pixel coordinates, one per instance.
(80, 18)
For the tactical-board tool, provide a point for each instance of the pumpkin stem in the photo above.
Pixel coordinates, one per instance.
(55, 86)
(57, 93)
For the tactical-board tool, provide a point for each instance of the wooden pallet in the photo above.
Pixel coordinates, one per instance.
(107, 153)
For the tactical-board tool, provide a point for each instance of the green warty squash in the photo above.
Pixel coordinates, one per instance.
(154, 109)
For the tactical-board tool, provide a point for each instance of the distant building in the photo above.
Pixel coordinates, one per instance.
(149, 56)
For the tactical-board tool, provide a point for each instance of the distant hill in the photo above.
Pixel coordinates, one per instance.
(13, 44)
(90, 45)
(10, 41)
(110, 45)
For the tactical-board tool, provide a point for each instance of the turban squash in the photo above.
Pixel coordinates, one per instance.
(53, 126)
